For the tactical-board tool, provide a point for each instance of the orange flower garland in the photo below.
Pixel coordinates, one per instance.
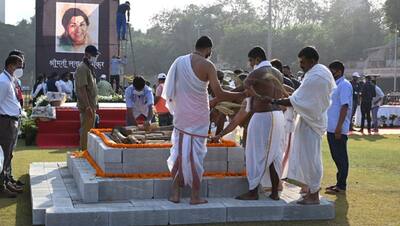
(101, 173)
(100, 133)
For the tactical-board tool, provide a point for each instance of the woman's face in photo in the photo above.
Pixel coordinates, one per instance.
(77, 30)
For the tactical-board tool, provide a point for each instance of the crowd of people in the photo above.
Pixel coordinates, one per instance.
(284, 117)
(53, 83)
(284, 120)
(369, 96)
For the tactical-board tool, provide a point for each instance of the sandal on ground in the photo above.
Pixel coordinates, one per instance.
(330, 187)
(335, 190)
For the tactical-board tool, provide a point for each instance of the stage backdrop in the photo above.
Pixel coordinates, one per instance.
(65, 27)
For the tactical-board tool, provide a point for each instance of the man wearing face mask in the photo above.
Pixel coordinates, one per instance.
(19, 73)
(86, 92)
(139, 102)
(311, 102)
(339, 116)
(10, 110)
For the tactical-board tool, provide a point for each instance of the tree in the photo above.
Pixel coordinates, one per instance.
(21, 37)
(352, 28)
(392, 9)
(286, 13)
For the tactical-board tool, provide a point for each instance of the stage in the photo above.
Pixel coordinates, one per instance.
(63, 132)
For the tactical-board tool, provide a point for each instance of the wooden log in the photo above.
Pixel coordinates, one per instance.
(165, 138)
(126, 132)
(115, 139)
(118, 136)
(134, 140)
(141, 138)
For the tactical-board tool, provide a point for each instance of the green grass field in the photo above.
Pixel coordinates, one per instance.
(373, 196)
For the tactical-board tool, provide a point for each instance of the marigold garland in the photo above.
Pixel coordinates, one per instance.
(100, 133)
(101, 173)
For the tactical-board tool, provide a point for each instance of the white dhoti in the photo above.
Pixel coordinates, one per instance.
(264, 146)
(311, 102)
(305, 162)
(289, 129)
(187, 100)
(187, 155)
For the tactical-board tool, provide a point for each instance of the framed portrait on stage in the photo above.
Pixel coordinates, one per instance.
(77, 26)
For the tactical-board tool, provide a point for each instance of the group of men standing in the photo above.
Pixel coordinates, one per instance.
(369, 96)
(285, 128)
(286, 125)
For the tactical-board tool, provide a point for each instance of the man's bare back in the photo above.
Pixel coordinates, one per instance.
(266, 82)
(202, 67)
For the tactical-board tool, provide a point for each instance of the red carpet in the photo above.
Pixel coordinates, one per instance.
(64, 131)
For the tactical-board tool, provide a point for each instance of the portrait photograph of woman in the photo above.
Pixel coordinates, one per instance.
(77, 25)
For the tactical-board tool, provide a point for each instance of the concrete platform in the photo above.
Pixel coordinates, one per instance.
(93, 189)
(56, 201)
(154, 160)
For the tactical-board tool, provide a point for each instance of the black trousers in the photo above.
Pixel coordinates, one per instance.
(366, 114)
(339, 155)
(8, 137)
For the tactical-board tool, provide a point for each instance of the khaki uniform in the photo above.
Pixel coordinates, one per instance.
(84, 77)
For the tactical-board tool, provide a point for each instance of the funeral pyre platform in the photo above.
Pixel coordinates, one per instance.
(128, 184)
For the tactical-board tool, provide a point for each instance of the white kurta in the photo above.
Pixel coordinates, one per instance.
(187, 100)
(264, 146)
(311, 102)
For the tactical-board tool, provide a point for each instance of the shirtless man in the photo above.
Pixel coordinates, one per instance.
(185, 92)
(265, 138)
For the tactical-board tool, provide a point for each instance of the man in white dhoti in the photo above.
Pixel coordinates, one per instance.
(265, 133)
(185, 92)
(311, 102)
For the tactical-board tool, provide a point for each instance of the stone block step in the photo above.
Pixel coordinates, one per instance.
(93, 189)
(154, 160)
(55, 202)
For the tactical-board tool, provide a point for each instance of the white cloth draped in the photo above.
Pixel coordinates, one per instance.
(264, 146)
(264, 63)
(290, 117)
(305, 159)
(189, 154)
(187, 99)
(311, 102)
(313, 98)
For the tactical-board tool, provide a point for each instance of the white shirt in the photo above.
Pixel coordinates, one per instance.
(65, 87)
(38, 88)
(9, 104)
(379, 95)
(139, 104)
